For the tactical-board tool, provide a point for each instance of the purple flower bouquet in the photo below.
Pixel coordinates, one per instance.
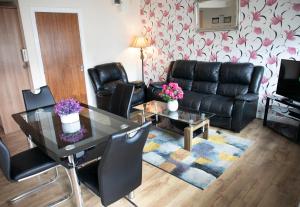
(67, 106)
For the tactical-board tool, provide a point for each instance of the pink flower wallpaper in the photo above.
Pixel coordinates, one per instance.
(269, 30)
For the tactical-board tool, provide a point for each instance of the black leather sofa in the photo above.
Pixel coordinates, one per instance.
(106, 77)
(229, 90)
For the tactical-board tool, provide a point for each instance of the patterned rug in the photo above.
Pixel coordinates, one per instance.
(200, 167)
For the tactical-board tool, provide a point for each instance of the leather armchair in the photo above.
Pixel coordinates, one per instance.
(106, 77)
(228, 90)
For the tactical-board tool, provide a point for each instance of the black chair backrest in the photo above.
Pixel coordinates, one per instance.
(121, 100)
(120, 169)
(103, 75)
(4, 160)
(34, 101)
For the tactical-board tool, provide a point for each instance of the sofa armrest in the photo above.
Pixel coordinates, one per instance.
(138, 84)
(247, 97)
(157, 85)
(154, 90)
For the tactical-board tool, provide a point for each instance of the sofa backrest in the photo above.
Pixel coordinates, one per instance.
(182, 72)
(235, 79)
(257, 76)
(206, 77)
(107, 74)
(226, 79)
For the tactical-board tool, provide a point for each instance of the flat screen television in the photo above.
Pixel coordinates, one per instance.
(289, 80)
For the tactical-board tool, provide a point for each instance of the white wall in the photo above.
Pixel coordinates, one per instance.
(106, 31)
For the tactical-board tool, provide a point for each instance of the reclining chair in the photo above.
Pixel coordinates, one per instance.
(106, 77)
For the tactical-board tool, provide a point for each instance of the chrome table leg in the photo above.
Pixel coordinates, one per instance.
(74, 181)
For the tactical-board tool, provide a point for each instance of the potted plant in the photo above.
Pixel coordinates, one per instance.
(171, 93)
(68, 110)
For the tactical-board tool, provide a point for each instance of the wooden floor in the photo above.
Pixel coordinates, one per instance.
(268, 174)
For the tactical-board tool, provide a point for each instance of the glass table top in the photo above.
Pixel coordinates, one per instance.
(183, 115)
(47, 131)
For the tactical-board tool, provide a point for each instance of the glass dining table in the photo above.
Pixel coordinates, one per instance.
(54, 138)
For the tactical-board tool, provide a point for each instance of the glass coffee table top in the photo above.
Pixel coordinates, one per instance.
(183, 115)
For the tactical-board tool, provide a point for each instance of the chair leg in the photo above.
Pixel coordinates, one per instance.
(131, 195)
(35, 189)
(66, 197)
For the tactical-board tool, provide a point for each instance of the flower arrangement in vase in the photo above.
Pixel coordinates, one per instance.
(171, 93)
(68, 110)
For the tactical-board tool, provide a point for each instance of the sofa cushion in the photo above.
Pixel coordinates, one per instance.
(206, 77)
(239, 73)
(220, 105)
(207, 71)
(184, 84)
(192, 100)
(183, 69)
(235, 79)
(205, 87)
(232, 90)
(182, 73)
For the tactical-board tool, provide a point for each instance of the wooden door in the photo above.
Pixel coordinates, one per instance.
(61, 54)
(14, 75)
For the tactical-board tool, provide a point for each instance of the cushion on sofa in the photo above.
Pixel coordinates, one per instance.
(182, 73)
(207, 71)
(192, 100)
(232, 90)
(220, 105)
(206, 77)
(235, 79)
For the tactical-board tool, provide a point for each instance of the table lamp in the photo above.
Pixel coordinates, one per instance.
(140, 42)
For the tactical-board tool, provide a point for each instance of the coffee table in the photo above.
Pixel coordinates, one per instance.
(195, 120)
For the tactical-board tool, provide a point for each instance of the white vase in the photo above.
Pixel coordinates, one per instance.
(71, 127)
(70, 118)
(173, 105)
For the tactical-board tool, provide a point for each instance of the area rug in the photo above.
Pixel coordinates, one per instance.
(205, 163)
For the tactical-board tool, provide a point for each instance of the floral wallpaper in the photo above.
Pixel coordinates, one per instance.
(269, 30)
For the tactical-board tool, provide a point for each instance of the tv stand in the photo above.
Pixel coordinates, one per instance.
(284, 118)
(294, 112)
(289, 102)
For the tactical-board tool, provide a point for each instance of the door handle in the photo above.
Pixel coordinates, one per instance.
(82, 68)
(24, 55)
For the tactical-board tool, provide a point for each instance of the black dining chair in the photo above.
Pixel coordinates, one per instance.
(119, 172)
(37, 100)
(25, 165)
(121, 100)
(120, 105)
(33, 101)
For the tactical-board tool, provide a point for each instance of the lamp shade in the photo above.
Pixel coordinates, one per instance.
(140, 42)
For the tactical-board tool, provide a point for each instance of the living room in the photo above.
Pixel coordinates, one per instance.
(232, 141)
